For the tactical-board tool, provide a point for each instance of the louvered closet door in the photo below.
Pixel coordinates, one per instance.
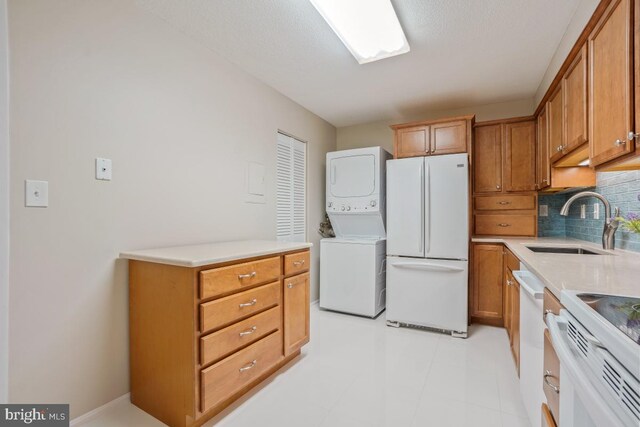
(291, 174)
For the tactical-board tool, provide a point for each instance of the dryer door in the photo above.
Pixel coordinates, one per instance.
(352, 176)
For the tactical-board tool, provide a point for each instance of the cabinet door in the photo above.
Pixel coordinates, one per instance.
(520, 156)
(487, 159)
(411, 142)
(555, 117)
(547, 418)
(296, 312)
(574, 87)
(487, 289)
(542, 151)
(515, 322)
(611, 84)
(507, 300)
(449, 138)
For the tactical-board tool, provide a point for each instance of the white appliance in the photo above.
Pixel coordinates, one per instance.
(352, 265)
(356, 192)
(428, 242)
(352, 275)
(531, 343)
(597, 341)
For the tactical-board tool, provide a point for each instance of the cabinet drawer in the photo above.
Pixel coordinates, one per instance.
(551, 304)
(230, 375)
(551, 376)
(232, 278)
(227, 340)
(296, 263)
(505, 225)
(223, 311)
(501, 203)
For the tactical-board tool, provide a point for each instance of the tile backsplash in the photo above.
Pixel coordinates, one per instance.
(622, 189)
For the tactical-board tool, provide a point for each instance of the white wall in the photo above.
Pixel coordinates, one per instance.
(4, 204)
(98, 78)
(379, 134)
(581, 16)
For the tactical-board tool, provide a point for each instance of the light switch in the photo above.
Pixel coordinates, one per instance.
(103, 169)
(583, 211)
(544, 210)
(36, 193)
(596, 211)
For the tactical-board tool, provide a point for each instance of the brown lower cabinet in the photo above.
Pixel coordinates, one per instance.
(486, 284)
(551, 369)
(494, 293)
(512, 305)
(202, 337)
(547, 418)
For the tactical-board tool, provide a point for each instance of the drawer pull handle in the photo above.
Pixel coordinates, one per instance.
(504, 202)
(249, 304)
(247, 276)
(504, 224)
(509, 282)
(248, 331)
(291, 285)
(298, 263)
(249, 366)
(619, 142)
(548, 374)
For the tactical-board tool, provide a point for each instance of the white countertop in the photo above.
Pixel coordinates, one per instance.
(212, 253)
(616, 273)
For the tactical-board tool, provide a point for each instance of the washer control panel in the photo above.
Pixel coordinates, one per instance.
(354, 206)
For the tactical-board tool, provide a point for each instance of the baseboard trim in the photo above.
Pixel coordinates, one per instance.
(94, 413)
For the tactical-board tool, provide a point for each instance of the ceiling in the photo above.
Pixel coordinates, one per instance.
(463, 52)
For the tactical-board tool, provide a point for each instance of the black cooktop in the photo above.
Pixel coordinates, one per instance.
(622, 312)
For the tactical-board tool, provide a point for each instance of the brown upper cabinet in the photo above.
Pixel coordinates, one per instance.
(554, 114)
(520, 156)
(444, 136)
(543, 167)
(504, 157)
(487, 159)
(611, 97)
(574, 94)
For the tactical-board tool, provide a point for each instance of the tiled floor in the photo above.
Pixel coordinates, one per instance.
(359, 372)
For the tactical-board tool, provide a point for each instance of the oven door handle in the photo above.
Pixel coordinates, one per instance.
(598, 409)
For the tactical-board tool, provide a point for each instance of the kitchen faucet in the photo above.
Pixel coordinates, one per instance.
(610, 224)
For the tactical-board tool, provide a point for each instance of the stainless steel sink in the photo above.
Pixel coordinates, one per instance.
(564, 250)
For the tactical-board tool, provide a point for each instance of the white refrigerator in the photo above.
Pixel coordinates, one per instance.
(428, 242)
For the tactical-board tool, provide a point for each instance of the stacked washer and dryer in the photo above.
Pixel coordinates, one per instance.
(352, 265)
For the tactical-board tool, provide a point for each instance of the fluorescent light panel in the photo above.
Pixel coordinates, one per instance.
(368, 28)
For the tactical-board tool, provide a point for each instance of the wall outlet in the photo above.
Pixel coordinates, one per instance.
(583, 211)
(544, 210)
(596, 211)
(103, 169)
(36, 193)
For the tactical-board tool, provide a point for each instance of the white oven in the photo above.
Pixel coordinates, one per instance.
(598, 387)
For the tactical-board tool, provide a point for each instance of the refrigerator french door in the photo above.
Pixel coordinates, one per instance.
(428, 242)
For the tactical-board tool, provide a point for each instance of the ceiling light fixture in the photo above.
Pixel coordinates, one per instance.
(368, 28)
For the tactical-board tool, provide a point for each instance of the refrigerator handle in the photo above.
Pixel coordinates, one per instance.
(427, 209)
(421, 239)
(426, 266)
